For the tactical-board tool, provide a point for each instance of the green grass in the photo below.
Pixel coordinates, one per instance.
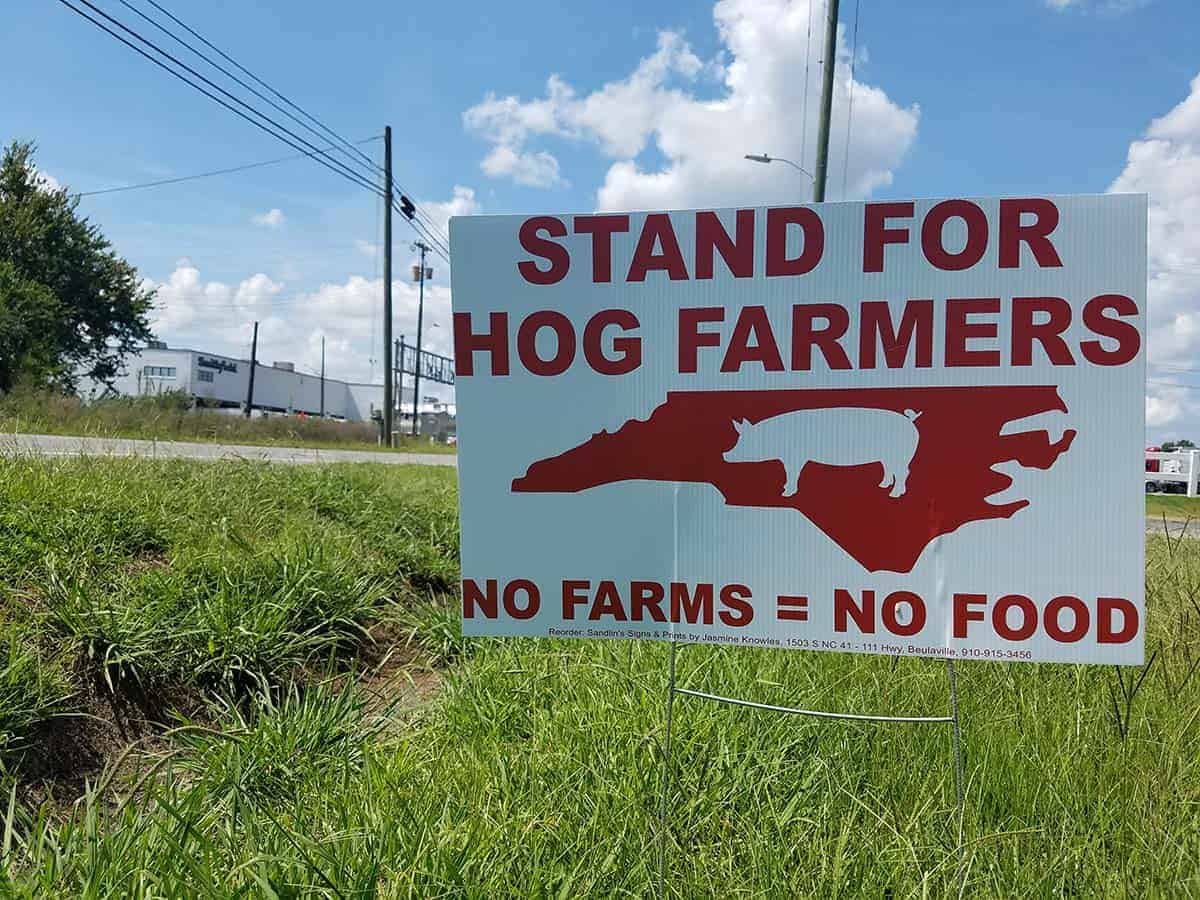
(167, 417)
(1172, 506)
(536, 771)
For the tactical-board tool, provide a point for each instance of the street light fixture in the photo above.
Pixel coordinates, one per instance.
(765, 158)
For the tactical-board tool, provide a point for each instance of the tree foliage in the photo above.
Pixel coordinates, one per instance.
(69, 306)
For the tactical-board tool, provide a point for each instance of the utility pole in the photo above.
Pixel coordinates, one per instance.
(322, 376)
(826, 102)
(387, 287)
(253, 363)
(424, 248)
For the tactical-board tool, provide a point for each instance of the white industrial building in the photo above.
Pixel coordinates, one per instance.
(221, 382)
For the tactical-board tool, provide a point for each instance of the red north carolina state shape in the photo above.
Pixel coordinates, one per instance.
(882, 471)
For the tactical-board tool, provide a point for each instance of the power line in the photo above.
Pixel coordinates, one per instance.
(321, 156)
(251, 75)
(229, 171)
(433, 237)
(428, 230)
(333, 165)
(418, 211)
(850, 103)
(336, 137)
(1189, 387)
(434, 245)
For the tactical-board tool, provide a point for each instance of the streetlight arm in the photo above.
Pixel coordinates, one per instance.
(767, 158)
(794, 166)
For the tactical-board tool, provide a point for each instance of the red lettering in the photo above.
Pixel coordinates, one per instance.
(629, 349)
(691, 339)
(647, 596)
(1047, 333)
(740, 612)
(1035, 235)
(752, 322)
(845, 606)
(555, 254)
(690, 609)
(467, 342)
(876, 327)
(1126, 335)
(876, 234)
(805, 336)
(473, 597)
(963, 613)
(601, 228)
(564, 333)
(533, 600)
(959, 331)
(1051, 616)
(932, 234)
(657, 231)
(738, 253)
(1106, 608)
(891, 620)
(571, 597)
(778, 221)
(1028, 613)
(607, 603)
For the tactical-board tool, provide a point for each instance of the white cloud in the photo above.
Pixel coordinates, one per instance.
(273, 218)
(760, 103)
(1166, 165)
(532, 169)
(217, 317)
(1104, 6)
(462, 203)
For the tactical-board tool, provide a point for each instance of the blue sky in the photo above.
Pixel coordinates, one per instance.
(652, 105)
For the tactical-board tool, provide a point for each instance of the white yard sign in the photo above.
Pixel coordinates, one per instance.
(912, 428)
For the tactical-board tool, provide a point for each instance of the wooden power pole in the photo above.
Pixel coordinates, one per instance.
(388, 404)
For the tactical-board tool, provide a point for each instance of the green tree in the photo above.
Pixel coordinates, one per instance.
(69, 306)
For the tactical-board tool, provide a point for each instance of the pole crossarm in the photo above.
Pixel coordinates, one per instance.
(821, 714)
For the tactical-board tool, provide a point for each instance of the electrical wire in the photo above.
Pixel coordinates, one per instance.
(321, 156)
(437, 245)
(346, 170)
(229, 171)
(254, 77)
(417, 209)
(1189, 387)
(224, 71)
(850, 103)
(318, 154)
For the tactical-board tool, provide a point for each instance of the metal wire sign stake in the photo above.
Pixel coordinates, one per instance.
(673, 689)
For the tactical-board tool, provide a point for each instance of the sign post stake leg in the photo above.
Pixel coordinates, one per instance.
(958, 773)
(666, 778)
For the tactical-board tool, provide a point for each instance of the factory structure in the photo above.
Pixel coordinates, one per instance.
(223, 383)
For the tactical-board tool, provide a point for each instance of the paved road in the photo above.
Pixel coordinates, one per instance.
(62, 445)
(1175, 527)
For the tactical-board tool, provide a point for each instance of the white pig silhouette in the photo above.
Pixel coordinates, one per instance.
(842, 436)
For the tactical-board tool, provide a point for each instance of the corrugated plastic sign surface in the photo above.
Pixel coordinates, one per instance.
(911, 428)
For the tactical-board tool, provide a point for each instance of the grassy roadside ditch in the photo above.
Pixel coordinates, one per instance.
(227, 602)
